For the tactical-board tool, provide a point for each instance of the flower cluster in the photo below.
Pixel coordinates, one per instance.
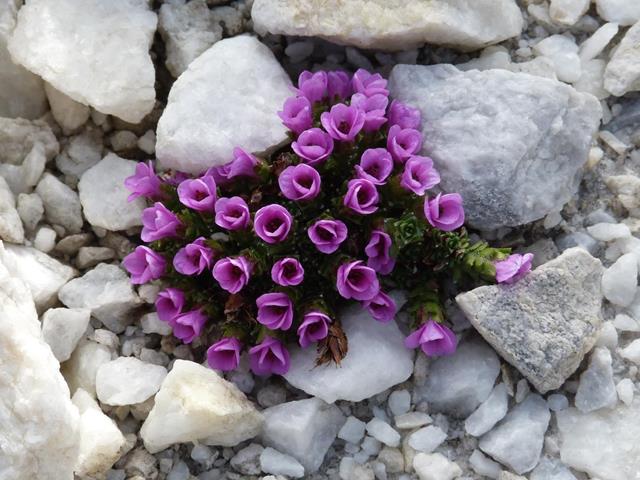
(264, 251)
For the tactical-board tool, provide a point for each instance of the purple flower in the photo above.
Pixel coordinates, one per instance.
(313, 146)
(225, 354)
(338, 84)
(296, 114)
(419, 175)
(362, 196)
(313, 86)
(403, 143)
(381, 307)
(144, 265)
(275, 311)
(299, 182)
(169, 304)
(287, 272)
(273, 223)
(374, 108)
(403, 115)
(343, 122)
(378, 250)
(513, 268)
(188, 326)
(376, 165)
(158, 222)
(356, 280)
(444, 212)
(144, 183)
(434, 339)
(194, 258)
(232, 273)
(327, 234)
(269, 356)
(314, 327)
(232, 213)
(198, 193)
(242, 165)
(369, 84)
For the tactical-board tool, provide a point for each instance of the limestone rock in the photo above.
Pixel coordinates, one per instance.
(272, 461)
(435, 466)
(19, 136)
(127, 381)
(620, 280)
(544, 129)
(597, 389)
(111, 72)
(551, 469)
(228, 97)
(490, 412)
(69, 114)
(619, 11)
(545, 323)
(568, 12)
(61, 204)
(563, 53)
(622, 74)
(81, 369)
(383, 25)
(11, 229)
(195, 403)
(62, 329)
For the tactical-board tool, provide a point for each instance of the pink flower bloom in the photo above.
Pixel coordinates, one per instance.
(356, 280)
(287, 272)
(376, 165)
(194, 258)
(381, 307)
(434, 339)
(299, 182)
(242, 165)
(296, 114)
(189, 325)
(158, 222)
(369, 84)
(313, 146)
(419, 175)
(270, 356)
(314, 327)
(374, 108)
(225, 354)
(338, 85)
(444, 212)
(327, 234)
(403, 143)
(379, 252)
(275, 311)
(198, 193)
(144, 265)
(513, 268)
(144, 183)
(361, 197)
(403, 115)
(232, 213)
(313, 86)
(169, 304)
(232, 273)
(343, 122)
(273, 223)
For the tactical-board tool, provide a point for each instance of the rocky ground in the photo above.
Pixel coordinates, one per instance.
(537, 125)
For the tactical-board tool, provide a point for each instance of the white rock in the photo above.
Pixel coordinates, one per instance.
(399, 402)
(551, 469)
(62, 329)
(150, 323)
(304, 429)
(11, 229)
(195, 403)
(490, 412)
(100, 439)
(592, 80)
(517, 440)
(625, 323)
(632, 352)
(30, 209)
(352, 431)
(112, 73)
(211, 110)
(597, 42)
(81, 369)
(383, 432)
(39, 434)
(272, 461)
(622, 74)
(568, 12)
(619, 11)
(69, 114)
(81, 153)
(607, 232)
(613, 142)
(483, 465)
(61, 204)
(625, 391)
(620, 280)
(427, 439)
(597, 389)
(45, 239)
(106, 290)
(563, 52)
(382, 25)
(127, 380)
(435, 466)
(22, 178)
(608, 336)
(104, 196)
(557, 402)
(147, 142)
(19, 136)
(412, 420)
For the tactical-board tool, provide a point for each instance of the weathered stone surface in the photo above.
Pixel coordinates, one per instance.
(72, 45)
(490, 412)
(597, 389)
(622, 73)
(545, 323)
(384, 25)
(62, 329)
(61, 203)
(228, 97)
(544, 129)
(69, 114)
(127, 381)
(19, 136)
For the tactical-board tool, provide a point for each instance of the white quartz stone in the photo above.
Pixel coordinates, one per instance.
(568, 12)
(625, 323)
(61, 204)
(607, 232)
(607, 336)
(490, 412)
(150, 323)
(104, 196)
(72, 45)
(30, 209)
(597, 389)
(632, 352)
(383, 432)
(195, 403)
(353, 430)
(18, 138)
(625, 391)
(11, 229)
(272, 461)
(228, 97)
(622, 74)
(483, 465)
(62, 329)
(127, 380)
(620, 280)
(551, 469)
(623, 12)
(399, 402)
(557, 402)
(596, 43)
(81, 369)
(81, 153)
(412, 420)
(69, 114)
(45, 239)
(427, 439)
(563, 52)
(435, 466)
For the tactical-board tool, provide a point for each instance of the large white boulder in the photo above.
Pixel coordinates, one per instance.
(95, 52)
(127, 381)
(227, 98)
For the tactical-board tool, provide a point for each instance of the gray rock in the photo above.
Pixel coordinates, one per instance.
(545, 323)
(597, 388)
(61, 204)
(544, 129)
(19, 136)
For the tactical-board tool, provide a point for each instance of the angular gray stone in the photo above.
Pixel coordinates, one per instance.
(597, 388)
(543, 127)
(545, 323)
